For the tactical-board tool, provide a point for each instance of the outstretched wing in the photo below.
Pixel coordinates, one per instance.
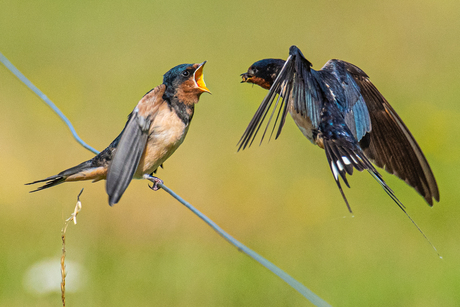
(295, 84)
(132, 144)
(390, 145)
(279, 91)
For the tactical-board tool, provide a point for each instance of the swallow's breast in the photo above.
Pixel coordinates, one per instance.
(167, 132)
(303, 122)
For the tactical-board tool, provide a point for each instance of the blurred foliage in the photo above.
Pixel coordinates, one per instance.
(97, 59)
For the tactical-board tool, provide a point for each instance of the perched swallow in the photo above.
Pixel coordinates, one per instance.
(155, 129)
(341, 111)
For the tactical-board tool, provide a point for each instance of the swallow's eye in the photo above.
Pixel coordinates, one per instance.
(185, 73)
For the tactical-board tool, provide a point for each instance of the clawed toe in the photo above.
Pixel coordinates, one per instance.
(156, 181)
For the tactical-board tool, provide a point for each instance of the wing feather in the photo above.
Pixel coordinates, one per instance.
(132, 144)
(127, 156)
(296, 85)
(391, 145)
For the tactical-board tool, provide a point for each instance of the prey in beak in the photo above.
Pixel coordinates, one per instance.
(263, 72)
(251, 77)
(246, 77)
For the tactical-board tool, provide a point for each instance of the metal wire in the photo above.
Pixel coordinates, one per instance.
(307, 293)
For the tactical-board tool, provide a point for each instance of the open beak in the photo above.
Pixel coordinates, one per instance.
(198, 75)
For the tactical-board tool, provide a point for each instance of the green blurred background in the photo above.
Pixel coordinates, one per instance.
(95, 60)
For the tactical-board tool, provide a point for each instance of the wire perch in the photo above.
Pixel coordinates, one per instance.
(307, 293)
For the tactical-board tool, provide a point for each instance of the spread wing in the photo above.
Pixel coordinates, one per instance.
(390, 145)
(295, 84)
(132, 144)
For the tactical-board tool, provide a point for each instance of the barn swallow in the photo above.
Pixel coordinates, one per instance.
(341, 111)
(155, 129)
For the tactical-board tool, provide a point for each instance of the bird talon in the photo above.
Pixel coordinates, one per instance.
(156, 181)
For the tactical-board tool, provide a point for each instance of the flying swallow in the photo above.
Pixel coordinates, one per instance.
(155, 129)
(341, 111)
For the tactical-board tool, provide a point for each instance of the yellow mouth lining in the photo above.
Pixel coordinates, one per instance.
(199, 79)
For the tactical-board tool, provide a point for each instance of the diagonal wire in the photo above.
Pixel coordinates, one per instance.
(307, 293)
(312, 297)
(43, 97)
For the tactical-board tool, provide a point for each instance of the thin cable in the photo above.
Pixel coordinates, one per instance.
(43, 97)
(307, 293)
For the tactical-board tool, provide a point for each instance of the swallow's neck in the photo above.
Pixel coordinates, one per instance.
(182, 100)
(183, 111)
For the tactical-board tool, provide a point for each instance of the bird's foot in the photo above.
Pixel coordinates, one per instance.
(156, 181)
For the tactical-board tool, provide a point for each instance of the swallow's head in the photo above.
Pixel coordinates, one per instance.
(186, 82)
(263, 72)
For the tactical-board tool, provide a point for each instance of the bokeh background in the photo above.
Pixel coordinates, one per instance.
(95, 60)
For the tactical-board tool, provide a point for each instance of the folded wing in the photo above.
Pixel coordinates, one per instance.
(132, 144)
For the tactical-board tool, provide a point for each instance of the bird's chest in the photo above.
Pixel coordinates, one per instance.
(304, 124)
(167, 133)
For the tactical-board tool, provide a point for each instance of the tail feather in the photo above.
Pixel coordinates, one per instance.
(342, 157)
(51, 182)
(61, 177)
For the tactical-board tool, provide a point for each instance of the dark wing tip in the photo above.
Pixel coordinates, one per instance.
(113, 200)
(294, 50)
(299, 57)
(437, 197)
(429, 197)
(391, 145)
